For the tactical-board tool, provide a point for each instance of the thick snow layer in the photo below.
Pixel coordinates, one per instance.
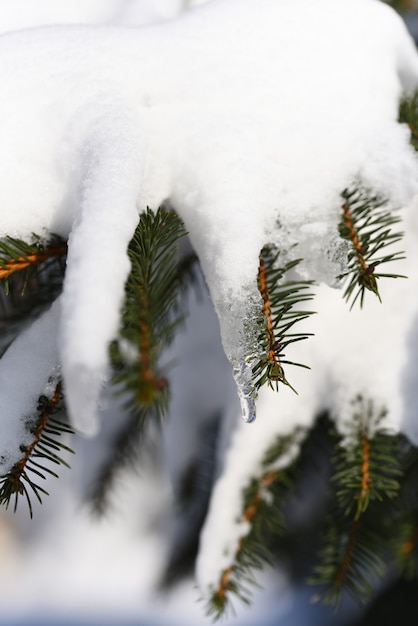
(252, 138)
(34, 356)
(21, 14)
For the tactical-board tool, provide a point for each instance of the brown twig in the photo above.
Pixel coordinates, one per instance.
(151, 382)
(366, 270)
(273, 345)
(366, 479)
(411, 543)
(30, 260)
(249, 513)
(342, 572)
(18, 469)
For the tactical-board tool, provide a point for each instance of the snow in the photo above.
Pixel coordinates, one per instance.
(34, 355)
(28, 14)
(112, 168)
(251, 121)
(224, 526)
(235, 146)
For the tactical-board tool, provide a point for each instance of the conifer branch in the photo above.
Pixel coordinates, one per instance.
(279, 316)
(44, 447)
(406, 549)
(229, 580)
(19, 256)
(349, 561)
(31, 278)
(367, 226)
(367, 470)
(150, 317)
(403, 519)
(367, 464)
(403, 5)
(410, 544)
(148, 323)
(262, 513)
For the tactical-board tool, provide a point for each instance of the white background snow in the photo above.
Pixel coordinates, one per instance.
(243, 115)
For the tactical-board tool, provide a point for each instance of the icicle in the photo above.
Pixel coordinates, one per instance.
(248, 407)
(246, 392)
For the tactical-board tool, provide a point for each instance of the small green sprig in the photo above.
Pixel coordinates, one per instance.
(153, 309)
(350, 561)
(279, 316)
(368, 227)
(403, 6)
(367, 472)
(44, 449)
(367, 464)
(406, 546)
(148, 323)
(20, 256)
(262, 512)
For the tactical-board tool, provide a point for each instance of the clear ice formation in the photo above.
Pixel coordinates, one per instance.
(246, 392)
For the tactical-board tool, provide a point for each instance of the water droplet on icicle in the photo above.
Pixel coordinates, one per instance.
(248, 410)
(246, 392)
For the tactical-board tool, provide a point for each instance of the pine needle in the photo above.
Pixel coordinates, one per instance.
(148, 322)
(367, 471)
(263, 501)
(37, 456)
(279, 316)
(19, 256)
(368, 227)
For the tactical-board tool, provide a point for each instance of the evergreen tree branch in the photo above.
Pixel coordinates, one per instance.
(367, 226)
(403, 5)
(367, 470)
(406, 548)
(148, 323)
(231, 580)
(31, 279)
(403, 518)
(19, 256)
(367, 464)
(150, 317)
(261, 517)
(342, 572)
(349, 561)
(43, 449)
(279, 316)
